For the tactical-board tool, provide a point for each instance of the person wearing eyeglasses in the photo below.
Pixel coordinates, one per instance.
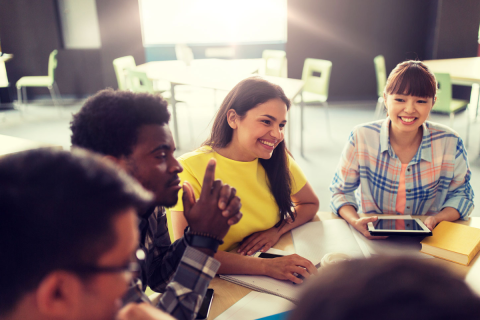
(68, 237)
(131, 129)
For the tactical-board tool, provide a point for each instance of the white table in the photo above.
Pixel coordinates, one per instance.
(214, 74)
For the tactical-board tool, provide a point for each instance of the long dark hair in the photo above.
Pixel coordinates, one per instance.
(246, 95)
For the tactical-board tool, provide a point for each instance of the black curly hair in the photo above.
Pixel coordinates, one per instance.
(109, 121)
(57, 210)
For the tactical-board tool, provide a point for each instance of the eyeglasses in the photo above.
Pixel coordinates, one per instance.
(128, 269)
(131, 267)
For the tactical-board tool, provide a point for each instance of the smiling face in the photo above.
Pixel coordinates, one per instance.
(407, 112)
(258, 133)
(153, 164)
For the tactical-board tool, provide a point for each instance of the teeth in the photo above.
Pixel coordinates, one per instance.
(267, 143)
(407, 119)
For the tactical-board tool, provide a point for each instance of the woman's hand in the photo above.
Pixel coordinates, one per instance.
(257, 240)
(361, 225)
(431, 222)
(283, 268)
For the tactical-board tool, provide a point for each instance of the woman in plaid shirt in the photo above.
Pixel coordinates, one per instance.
(404, 164)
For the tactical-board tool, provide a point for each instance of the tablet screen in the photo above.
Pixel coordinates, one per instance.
(396, 224)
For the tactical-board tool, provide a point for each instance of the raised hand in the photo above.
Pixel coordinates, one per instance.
(217, 208)
(361, 225)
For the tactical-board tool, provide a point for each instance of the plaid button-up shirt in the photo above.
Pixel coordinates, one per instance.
(368, 174)
(181, 272)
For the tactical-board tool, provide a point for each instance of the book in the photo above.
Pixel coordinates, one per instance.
(453, 242)
(282, 288)
(278, 316)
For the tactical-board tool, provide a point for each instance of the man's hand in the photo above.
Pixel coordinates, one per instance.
(142, 311)
(257, 240)
(283, 268)
(217, 208)
(361, 225)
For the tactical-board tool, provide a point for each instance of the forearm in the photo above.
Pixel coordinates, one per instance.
(232, 263)
(186, 290)
(161, 268)
(349, 213)
(447, 214)
(305, 213)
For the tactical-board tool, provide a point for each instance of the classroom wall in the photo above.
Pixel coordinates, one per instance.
(350, 33)
(457, 25)
(30, 30)
(120, 33)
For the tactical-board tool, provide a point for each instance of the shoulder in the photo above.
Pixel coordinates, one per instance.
(368, 133)
(199, 155)
(440, 131)
(369, 128)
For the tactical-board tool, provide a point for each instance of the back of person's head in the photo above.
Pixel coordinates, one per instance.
(412, 78)
(109, 121)
(387, 288)
(246, 95)
(56, 213)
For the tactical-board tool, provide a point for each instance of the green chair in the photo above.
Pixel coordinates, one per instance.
(137, 81)
(445, 104)
(121, 66)
(316, 76)
(40, 81)
(275, 63)
(381, 74)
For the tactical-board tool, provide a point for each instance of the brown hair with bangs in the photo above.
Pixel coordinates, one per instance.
(412, 78)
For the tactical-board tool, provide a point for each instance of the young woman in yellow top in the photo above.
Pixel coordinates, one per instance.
(247, 143)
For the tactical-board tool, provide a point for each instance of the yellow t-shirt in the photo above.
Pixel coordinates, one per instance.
(259, 209)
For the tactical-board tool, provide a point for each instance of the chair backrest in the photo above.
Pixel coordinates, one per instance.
(275, 63)
(137, 81)
(316, 75)
(381, 74)
(184, 53)
(444, 93)
(121, 66)
(52, 64)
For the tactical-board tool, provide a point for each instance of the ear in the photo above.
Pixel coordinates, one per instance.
(232, 118)
(58, 295)
(434, 100)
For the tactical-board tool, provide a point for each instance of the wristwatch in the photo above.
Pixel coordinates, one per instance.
(201, 240)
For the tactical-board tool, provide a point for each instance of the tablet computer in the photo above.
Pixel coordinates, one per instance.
(398, 226)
